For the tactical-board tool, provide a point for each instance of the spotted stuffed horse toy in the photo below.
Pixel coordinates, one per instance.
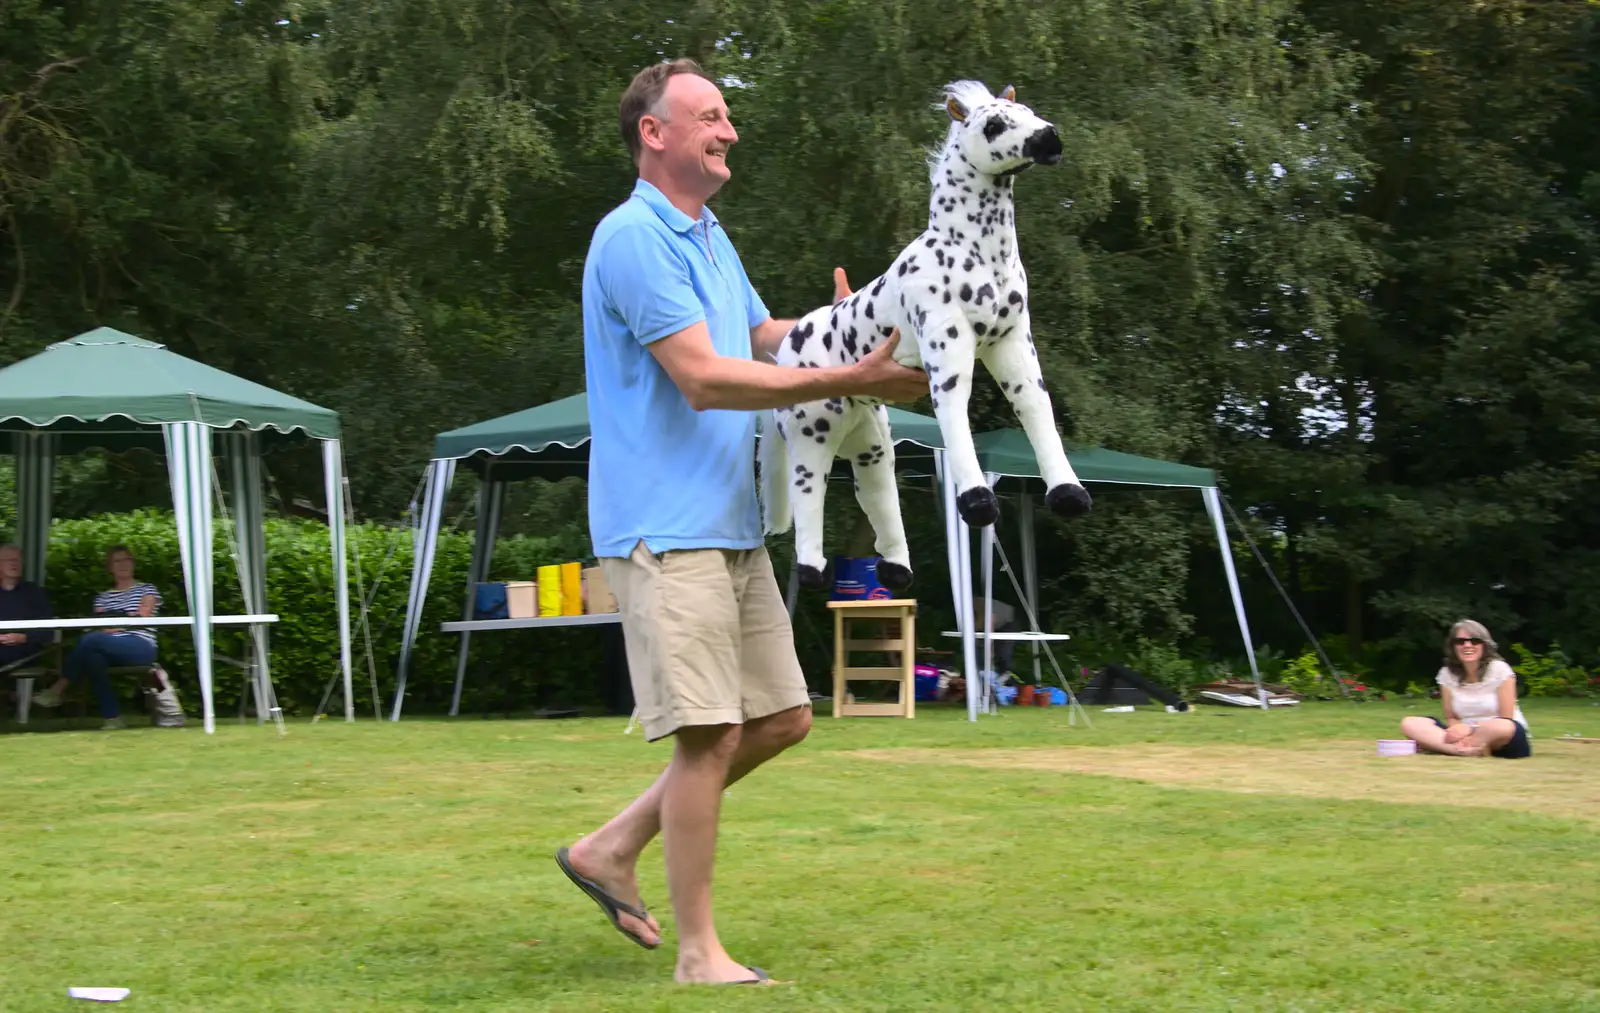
(957, 294)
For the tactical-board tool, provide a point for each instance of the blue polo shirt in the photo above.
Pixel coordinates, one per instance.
(659, 471)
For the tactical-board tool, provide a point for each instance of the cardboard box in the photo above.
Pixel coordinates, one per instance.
(522, 599)
(597, 596)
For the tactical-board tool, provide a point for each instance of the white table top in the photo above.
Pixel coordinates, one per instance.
(1024, 635)
(128, 622)
(478, 625)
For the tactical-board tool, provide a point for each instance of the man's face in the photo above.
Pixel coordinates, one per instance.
(697, 133)
(10, 564)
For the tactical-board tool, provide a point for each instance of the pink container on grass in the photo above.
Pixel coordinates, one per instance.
(1396, 747)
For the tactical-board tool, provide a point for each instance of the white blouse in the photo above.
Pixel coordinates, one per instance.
(1475, 702)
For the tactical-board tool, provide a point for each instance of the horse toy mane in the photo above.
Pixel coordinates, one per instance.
(958, 294)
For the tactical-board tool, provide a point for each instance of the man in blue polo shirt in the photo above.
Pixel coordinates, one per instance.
(679, 353)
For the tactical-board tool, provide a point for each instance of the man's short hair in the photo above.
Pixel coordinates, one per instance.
(644, 93)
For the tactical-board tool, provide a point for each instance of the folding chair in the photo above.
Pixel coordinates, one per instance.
(27, 670)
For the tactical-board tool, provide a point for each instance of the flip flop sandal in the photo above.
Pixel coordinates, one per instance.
(609, 904)
(761, 978)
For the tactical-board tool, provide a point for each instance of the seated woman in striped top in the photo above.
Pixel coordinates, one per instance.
(102, 650)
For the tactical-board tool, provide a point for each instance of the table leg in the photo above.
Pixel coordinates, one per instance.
(908, 661)
(24, 697)
(838, 661)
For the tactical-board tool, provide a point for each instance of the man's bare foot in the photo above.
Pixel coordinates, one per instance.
(711, 969)
(619, 879)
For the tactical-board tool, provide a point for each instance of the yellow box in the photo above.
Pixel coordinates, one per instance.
(522, 599)
(549, 591)
(572, 589)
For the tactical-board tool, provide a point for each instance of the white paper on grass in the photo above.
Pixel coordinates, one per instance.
(99, 994)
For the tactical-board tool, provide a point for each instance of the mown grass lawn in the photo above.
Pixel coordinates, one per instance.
(1218, 860)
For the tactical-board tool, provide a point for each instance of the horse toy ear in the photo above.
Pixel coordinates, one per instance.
(958, 112)
(1010, 94)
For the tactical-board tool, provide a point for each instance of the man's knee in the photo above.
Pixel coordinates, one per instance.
(709, 743)
(793, 726)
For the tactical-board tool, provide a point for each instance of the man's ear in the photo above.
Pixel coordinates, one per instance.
(650, 130)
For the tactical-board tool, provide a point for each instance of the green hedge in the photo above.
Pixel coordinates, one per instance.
(520, 669)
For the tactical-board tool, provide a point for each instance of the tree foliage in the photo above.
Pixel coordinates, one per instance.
(1342, 252)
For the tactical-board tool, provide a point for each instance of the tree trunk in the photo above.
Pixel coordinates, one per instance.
(1353, 609)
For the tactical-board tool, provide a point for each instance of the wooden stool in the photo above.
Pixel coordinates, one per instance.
(905, 611)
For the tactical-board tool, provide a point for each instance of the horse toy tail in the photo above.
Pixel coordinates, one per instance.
(774, 458)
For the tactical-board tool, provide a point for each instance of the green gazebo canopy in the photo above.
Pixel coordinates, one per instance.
(551, 441)
(1007, 453)
(108, 389)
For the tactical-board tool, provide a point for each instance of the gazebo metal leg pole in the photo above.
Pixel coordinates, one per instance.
(952, 541)
(189, 471)
(35, 484)
(490, 496)
(1214, 508)
(333, 486)
(987, 543)
(461, 672)
(1030, 573)
(425, 538)
(969, 652)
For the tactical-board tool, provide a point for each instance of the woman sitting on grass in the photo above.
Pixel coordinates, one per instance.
(98, 652)
(1478, 692)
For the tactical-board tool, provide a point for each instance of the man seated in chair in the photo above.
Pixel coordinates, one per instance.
(98, 652)
(20, 599)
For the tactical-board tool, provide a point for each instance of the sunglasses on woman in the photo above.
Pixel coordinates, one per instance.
(1474, 641)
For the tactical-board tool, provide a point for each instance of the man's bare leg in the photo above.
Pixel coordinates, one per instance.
(691, 804)
(610, 855)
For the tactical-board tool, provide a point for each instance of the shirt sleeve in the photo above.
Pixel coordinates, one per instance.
(150, 589)
(1445, 678)
(647, 284)
(1498, 672)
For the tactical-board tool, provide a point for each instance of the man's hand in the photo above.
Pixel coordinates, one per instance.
(882, 377)
(841, 287)
(11, 639)
(885, 378)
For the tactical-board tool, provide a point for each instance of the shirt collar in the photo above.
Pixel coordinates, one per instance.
(676, 220)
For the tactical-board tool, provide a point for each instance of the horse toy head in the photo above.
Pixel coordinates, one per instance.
(997, 135)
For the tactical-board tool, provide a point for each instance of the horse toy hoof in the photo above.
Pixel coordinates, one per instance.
(893, 576)
(1069, 500)
(979, 507)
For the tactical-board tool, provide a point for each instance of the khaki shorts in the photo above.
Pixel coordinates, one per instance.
(708, 637)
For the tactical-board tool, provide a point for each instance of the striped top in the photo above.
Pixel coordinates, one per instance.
(126, 602)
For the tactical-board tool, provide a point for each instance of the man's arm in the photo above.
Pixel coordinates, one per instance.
(766, 336)
(709, 380)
